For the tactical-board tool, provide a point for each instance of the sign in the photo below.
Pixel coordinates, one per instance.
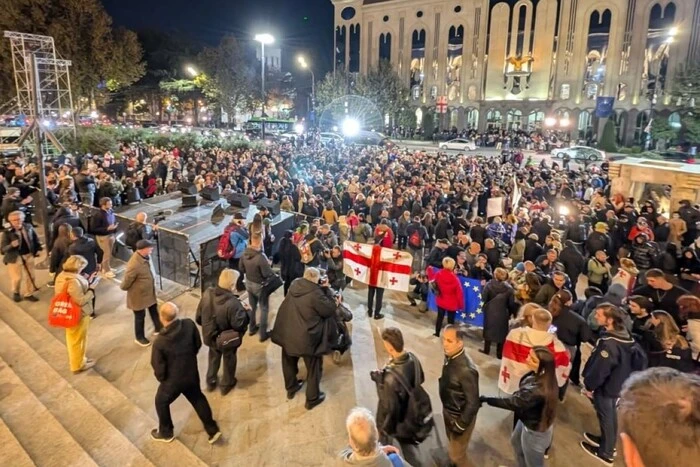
(604, 106)
(441, 105)
(494, 207)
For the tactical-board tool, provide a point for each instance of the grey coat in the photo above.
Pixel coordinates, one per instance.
(139, 283)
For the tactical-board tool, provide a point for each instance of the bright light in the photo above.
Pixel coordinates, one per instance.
(264, 39)
(299, 128)
(302, 62)
(351, 127)
(66, 114)
(46, 122)
(188, 120)
(203, 118)
(192, 71)
(335, 128)
(673, 31)
(94, 114)
(564, 122)
(669, 40)
(563, 210)
(550, 121)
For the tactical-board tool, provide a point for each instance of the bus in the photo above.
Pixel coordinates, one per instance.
(277, 126)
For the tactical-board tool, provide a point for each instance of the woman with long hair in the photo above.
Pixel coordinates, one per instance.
(672, 350)
(535, 406)
(59, 251)
(689, 307)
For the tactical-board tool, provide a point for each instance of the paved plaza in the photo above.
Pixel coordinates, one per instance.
(51, 417)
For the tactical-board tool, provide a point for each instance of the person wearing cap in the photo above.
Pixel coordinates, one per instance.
(140, 285)
(642, 227)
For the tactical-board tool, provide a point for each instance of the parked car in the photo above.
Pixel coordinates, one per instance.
(459, 144)
(677, 156)
(9, 141)
(370, 138)
(327, 137)
(581, 153)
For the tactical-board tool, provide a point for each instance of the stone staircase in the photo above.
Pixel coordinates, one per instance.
(50, 417)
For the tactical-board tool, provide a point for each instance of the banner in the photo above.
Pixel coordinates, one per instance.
(472, 313)
(604, 106)
(377, 266)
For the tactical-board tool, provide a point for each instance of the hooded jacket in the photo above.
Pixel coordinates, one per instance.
(174, 356)
(300, 327)
(254, 266)
(572, 260)
(614, 358)
(643, 253)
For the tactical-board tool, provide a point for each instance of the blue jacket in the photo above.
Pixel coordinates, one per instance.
(614, 358)
(239, 240)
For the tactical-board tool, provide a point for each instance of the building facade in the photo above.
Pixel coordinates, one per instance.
(527, 64)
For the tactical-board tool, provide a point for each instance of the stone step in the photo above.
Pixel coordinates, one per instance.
(12, 452)
(43, 438)
(102, 441)
(124, 415)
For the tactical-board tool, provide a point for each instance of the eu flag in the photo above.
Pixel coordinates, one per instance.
(472, 312)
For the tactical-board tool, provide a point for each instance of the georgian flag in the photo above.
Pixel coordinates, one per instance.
(517, 347)
(377, 266)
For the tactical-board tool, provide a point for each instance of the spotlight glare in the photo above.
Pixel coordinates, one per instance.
(299, 128)
(351, 127)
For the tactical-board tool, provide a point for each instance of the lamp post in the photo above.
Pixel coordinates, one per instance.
(305, 65)
(264, 39)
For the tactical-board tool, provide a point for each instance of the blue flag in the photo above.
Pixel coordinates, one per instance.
(472, 313)
(604, 106)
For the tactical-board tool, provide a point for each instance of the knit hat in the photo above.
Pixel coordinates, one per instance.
(601, 227)
(520, 267)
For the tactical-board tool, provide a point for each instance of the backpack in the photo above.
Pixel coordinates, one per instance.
(226, 250)
(638, 358)
(132, 236)
(414, 240)
(305, 251)
(418, 421)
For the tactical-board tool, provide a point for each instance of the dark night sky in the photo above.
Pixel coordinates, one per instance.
(209, 20)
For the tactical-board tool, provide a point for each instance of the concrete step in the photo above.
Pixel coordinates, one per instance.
(133, 423)
(105, 444)
(12, 453)
(44, 439)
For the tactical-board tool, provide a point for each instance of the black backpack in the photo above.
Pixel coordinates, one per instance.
(418, 421)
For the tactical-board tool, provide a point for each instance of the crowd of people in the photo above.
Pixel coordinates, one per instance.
(602, 285)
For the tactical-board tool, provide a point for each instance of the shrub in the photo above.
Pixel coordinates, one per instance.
(607, 141)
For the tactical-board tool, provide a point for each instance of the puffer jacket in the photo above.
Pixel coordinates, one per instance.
(527, 402)
(459, 392)
(451, 297)
(643, 253)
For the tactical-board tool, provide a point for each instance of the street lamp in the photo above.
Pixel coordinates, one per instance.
(264, 39)
(192, 71)
(305, 65)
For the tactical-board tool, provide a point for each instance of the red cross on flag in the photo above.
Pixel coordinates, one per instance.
(441, 105)
(377, 266)
(517, 347)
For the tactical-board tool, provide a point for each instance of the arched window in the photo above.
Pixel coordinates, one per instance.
(385, 46)
(585, 125)
(494, 120)
(419, 117)
(354, 45)
(620, 122)
(674, 121)
(640, 125)
(417, 60)
(454, 118)
(472, 119)
(453, 69)
(535, 120)
(340, 46)
(514, 121)
(596, 53)
(659, 45)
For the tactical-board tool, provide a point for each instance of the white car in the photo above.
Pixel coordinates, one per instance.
(581, 153)
(459, 144)
(287, 137)
(328, 137)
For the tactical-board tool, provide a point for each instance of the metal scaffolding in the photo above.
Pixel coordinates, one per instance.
(44, 94)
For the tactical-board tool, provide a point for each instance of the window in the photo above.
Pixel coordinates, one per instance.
(385, 46)
(385, 19)
(419, 14)
(674, 120)
(472, 119)
(564, 91)
(347, 13)
(433, 92)
(494, 120)
(458, 9)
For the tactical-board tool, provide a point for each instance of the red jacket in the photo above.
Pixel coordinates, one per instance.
(635, 230)
(451, 296)
(388, 240)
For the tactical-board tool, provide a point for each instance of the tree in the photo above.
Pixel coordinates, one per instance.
(685, 94)
(428, 125)
(662, 132)
(82, 32)
(226, 78)
(607, 140)
(332, 87)
(383, 86)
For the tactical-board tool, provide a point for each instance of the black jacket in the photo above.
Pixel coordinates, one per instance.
(174, 355)
(572, 329)
(59, 253)
(85, 183)
(254, 266)
(391, 408)
(11, 253)
(300, 327)
(88, 249)
(498, 306)
(291, 266)
(598, 241)
(533, 250)
(573, 261)
(478, 235)
(63, 216)
(527, 402)
(611, 363)
(459, 392)
(220, 310)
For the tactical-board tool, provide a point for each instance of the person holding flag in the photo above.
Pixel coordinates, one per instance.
(448, 291)
(499, 305)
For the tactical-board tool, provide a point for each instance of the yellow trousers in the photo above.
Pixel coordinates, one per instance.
(76, 342)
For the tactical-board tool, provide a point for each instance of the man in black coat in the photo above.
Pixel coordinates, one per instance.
(303, 328)
(533, 249)
(64, 215)
(20, 245)
(174, 362)
(599, 240)
(459, 393)
(220, 310)
(87, 248)
(573, 261)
